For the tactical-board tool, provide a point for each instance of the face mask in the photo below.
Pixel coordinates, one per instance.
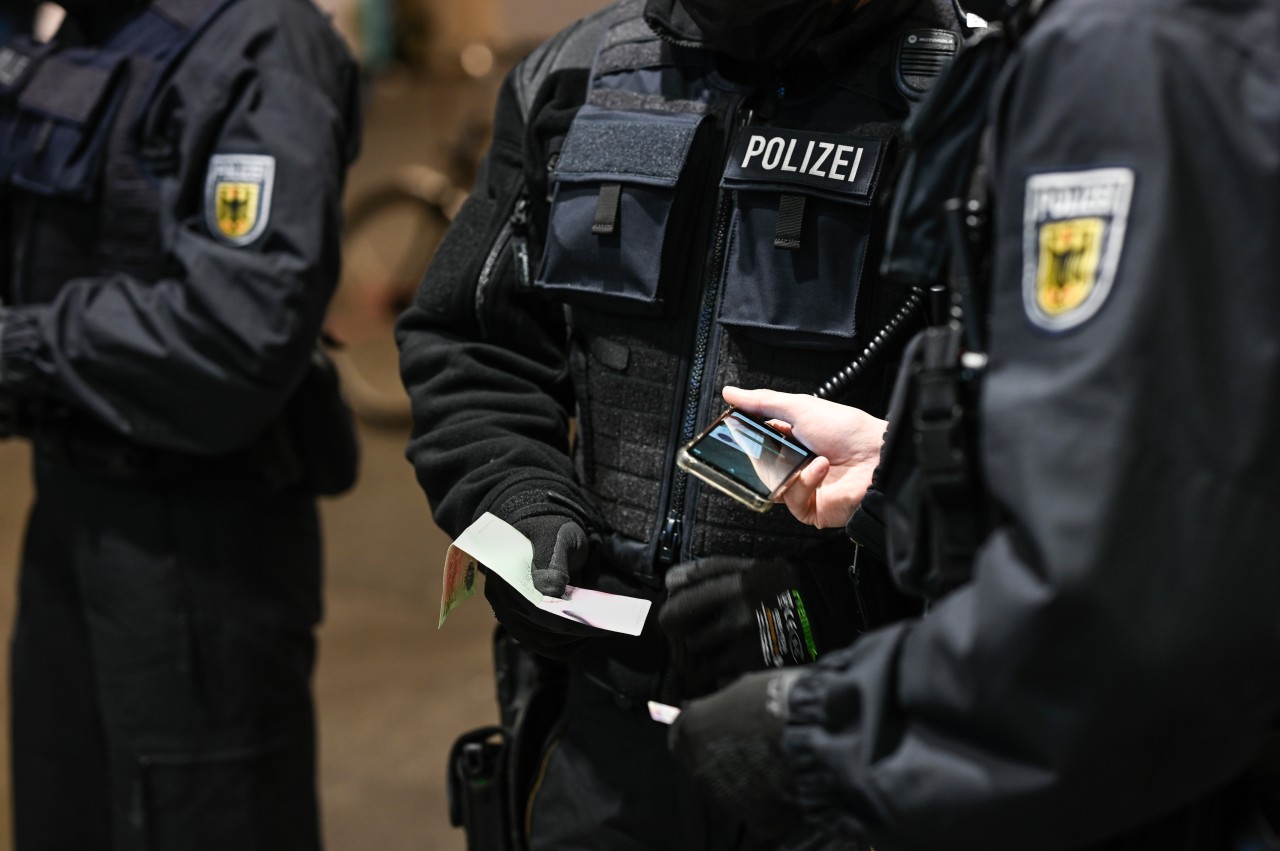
(98, 16)
(771, 31)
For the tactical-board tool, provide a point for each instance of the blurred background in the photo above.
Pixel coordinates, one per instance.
(392, 690)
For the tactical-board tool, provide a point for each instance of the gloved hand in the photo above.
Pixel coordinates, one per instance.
(731, 743)
(560, 549)
(726, 616)
(556, 528)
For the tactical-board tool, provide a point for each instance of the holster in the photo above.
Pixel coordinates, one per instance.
(492, 769)
(935, 510)
(477, 792)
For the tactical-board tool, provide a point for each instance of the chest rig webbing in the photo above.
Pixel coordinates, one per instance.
(77, 163)
(704, 232)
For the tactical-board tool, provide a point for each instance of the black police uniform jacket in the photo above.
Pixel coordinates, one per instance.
(1109, 674)
(623, 257)
(170, 240)
(171, 194)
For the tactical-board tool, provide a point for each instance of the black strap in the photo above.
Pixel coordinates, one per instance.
(607, 209)
(790, 222)
(952, 496)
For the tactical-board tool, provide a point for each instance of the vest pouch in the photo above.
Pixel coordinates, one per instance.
(618, 233)
(54, 132)
(799, 237)
(19, 59)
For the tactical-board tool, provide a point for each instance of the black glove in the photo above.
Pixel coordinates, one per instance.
(560, 549)
(726, 616)
(555, 527)
(731, 743)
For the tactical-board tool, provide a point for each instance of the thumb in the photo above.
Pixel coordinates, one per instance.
(567, 556)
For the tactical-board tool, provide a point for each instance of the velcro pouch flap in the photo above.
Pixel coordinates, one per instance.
(618, 230)
(19, 58)
(800, 233)
(53, 141)
(68, 91)
(605, 146)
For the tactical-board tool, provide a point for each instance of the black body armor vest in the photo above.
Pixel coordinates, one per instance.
(706, 231)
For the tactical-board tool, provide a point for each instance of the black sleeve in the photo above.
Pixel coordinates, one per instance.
(1115, 654)
(483, 358)
(203, 361)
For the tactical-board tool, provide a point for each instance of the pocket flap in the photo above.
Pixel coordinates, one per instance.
(54, 136)
(836, 166)
(643, 148)
(68, 91)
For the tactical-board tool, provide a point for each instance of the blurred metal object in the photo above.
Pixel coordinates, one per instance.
(391, 234)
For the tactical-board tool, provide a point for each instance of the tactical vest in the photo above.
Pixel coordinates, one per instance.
(74, 168)
(705, 232)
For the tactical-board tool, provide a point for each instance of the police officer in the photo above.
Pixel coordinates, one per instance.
(1104, 676)
(170, 180)
(678, 195)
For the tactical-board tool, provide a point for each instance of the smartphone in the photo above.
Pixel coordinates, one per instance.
(739, 455)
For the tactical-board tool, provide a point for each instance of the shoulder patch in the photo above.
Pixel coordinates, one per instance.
(1074, 227)
(237, 196)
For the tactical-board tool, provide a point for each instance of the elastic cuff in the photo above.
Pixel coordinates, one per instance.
(866, 527)
(802, 741)
(538, 497)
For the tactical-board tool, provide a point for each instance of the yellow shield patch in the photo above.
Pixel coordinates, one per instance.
(238, 196)
(1068, 265)
(1075, 225)
(236, 208)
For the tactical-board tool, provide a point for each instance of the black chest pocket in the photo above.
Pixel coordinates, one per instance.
(621, 217)
(800, 237)
(56, 117)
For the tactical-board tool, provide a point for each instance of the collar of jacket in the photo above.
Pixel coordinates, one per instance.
(93, 22)
(830, 48)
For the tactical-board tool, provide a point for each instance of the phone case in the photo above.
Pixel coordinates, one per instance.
(727, 486)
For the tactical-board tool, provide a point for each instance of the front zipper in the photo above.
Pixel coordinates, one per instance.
(514, 236)
(670, 539)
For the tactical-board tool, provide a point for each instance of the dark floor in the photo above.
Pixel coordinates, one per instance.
(392, 690)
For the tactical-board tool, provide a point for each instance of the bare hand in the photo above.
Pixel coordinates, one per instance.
(848, 441)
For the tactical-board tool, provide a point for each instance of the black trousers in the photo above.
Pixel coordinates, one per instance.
(607, 782)
(161, 666)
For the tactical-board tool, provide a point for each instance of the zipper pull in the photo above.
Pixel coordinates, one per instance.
(520, 243)
(669, 540)
(553, 160)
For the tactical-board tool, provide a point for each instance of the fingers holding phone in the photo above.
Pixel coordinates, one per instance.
(847, 441)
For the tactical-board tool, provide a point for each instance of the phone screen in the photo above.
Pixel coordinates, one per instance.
(749, 452)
